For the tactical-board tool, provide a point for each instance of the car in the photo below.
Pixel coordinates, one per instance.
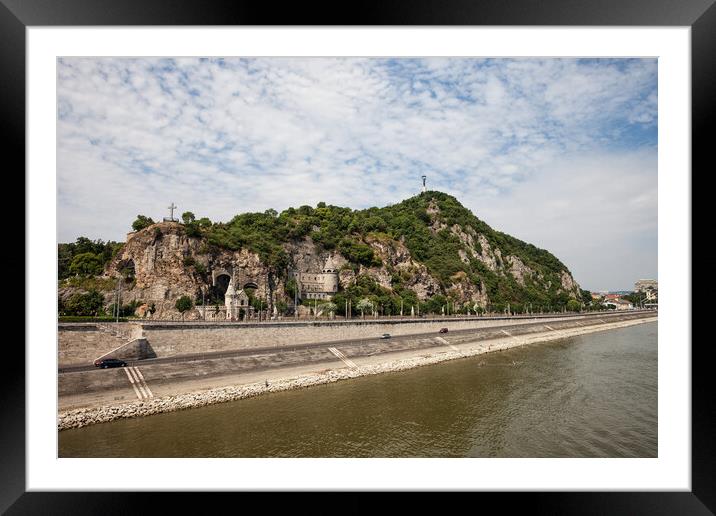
(110, 362)
(385, 336)
(443, 330)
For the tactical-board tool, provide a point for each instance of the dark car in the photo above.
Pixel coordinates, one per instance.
(443, 330)
(385, 336)
(110, 362)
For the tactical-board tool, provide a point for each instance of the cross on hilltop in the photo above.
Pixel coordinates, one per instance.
(171, 218)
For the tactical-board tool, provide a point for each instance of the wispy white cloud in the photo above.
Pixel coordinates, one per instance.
(222, 136)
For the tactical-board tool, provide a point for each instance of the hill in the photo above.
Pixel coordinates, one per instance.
(427, 252)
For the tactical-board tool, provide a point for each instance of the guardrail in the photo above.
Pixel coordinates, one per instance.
(383, 319)
(358, 320)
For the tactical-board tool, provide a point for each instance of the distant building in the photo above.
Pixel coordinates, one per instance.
(646, 284)
(649, 287)
(620, 304)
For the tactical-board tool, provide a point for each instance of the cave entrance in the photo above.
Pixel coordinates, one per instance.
(218, 291)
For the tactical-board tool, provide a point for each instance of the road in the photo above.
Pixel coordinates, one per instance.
(396, 343)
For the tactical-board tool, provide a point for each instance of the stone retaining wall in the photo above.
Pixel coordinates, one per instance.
(182, 340)
(82, 343)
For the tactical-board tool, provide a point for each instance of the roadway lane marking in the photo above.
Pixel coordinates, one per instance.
(131, 380)
(139, 384)
(446, 343)
(343, 358)
(143, 381)
(509, 334)
(549, 327)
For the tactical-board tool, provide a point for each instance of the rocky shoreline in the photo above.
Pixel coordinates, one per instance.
(79, 418)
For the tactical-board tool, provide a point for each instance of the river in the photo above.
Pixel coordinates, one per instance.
(588, 396)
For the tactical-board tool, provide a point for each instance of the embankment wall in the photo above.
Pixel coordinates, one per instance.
(172, 339)
(81, 343)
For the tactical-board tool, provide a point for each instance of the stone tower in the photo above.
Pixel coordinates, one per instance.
(330, 275)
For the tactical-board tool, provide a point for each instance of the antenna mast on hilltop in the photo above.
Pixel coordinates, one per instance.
(424, 189)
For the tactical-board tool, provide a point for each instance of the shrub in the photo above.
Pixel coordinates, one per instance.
(183, 304)
(90, 303)
(142, 222)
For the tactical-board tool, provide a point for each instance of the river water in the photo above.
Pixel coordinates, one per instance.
(589, 396)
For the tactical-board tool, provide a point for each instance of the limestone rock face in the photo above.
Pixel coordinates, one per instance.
(518, 269)
(467, 292)
(346, 278)
(568, 284)
(305, 258)
(167, 264)
(396, 256)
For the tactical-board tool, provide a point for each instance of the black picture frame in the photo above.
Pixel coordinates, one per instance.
(17, 15)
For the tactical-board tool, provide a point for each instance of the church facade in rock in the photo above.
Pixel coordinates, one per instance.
(235, 302)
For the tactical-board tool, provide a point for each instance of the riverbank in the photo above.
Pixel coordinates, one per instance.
(297, 378)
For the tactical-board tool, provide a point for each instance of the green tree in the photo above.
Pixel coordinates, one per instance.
(634, 298)
(363, 305)
(183, 304)
(192, 227)
(328, 307)
(586, 296)
(290, 287)
(204, 223)
(86, 264)
(573, 305)
(90, 303)
(142, 222)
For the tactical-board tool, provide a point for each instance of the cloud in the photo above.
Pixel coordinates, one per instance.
(223, 136)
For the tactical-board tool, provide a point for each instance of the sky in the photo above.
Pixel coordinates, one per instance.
(561, 153)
